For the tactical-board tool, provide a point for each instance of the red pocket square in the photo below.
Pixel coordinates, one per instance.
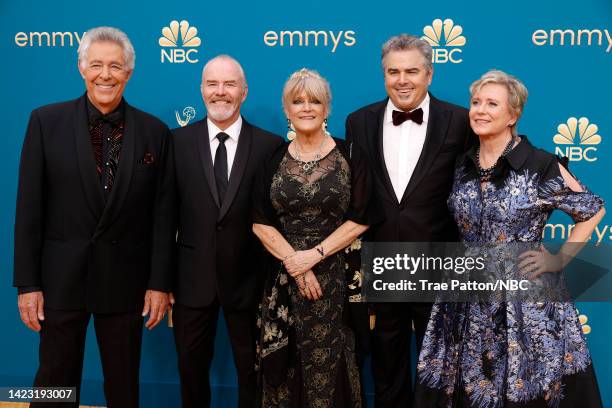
(148, 159)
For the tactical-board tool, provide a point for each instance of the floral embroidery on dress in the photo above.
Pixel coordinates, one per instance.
(310, 204)
(276, 319)
(354, 274)
(507, 351)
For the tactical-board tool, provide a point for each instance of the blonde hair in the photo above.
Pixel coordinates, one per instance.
(309, 81)
(517, 92)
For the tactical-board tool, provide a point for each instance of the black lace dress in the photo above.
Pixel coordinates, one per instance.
(307, 351)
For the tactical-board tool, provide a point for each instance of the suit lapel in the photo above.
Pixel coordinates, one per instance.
(238, 167)
(437, 126)
(86, 160)
(203, 141)
(376, 117)
(125, 171)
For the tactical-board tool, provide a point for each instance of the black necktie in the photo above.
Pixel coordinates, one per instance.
(400, 117)
(221, 166)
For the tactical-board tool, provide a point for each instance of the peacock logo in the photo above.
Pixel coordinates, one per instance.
(445, 37)
(179, 42)
(576, 139)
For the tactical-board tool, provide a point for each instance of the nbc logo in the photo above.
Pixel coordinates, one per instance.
(179, 42)
(445, 37)
(188, 113)
(587, 139)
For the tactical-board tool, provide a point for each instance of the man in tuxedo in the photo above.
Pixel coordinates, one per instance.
(412, 139)
(216, 160)
(92, 235)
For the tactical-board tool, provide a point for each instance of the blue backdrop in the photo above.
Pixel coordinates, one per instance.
(562, 50)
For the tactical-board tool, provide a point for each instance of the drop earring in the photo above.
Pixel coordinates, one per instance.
(324, 126)
(290, 130)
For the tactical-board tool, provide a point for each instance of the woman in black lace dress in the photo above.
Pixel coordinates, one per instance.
(312, 201)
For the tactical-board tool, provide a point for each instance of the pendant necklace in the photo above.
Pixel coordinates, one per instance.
(307, 166)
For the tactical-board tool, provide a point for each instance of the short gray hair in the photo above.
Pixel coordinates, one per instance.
(517, 92)
(100, 34)
(404, 42)
(229, 58)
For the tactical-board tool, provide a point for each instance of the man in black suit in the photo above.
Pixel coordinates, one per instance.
(216, 160)
(412, 140)
(91, 229)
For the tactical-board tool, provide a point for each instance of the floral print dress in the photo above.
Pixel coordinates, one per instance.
(307, 350)
(511, 353)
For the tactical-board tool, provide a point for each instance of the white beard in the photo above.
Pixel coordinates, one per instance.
(220, 113)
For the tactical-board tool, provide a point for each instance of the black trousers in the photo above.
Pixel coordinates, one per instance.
(62, 346)
(194, 336)
(391, 354)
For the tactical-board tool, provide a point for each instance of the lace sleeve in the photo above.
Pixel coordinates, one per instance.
(556, 194)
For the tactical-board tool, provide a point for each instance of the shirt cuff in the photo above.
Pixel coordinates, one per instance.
(28, 289)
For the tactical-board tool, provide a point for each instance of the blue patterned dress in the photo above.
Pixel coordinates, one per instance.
(508, 354)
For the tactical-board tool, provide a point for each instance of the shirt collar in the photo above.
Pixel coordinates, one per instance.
(233, 131)
(94, 115)
(391, 107)
(516, 158)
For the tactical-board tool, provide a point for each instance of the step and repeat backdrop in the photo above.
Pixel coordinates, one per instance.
(562, 50)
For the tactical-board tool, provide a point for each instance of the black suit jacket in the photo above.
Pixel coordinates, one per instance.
(218, 254)
(422, 214)
(86, 252)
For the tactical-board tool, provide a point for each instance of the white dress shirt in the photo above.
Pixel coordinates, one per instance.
(402, 146)
(231, 144)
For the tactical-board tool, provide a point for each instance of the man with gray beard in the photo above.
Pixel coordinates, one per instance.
(216, 162)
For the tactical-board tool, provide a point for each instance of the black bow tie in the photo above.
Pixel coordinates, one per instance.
(400, 117)
(114, 118)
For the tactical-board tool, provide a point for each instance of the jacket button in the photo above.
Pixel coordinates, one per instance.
(114, 242)
(219, 228)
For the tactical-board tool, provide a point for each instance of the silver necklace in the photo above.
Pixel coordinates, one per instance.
(307, 166)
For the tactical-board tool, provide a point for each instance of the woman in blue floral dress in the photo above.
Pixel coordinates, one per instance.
(510, 353)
